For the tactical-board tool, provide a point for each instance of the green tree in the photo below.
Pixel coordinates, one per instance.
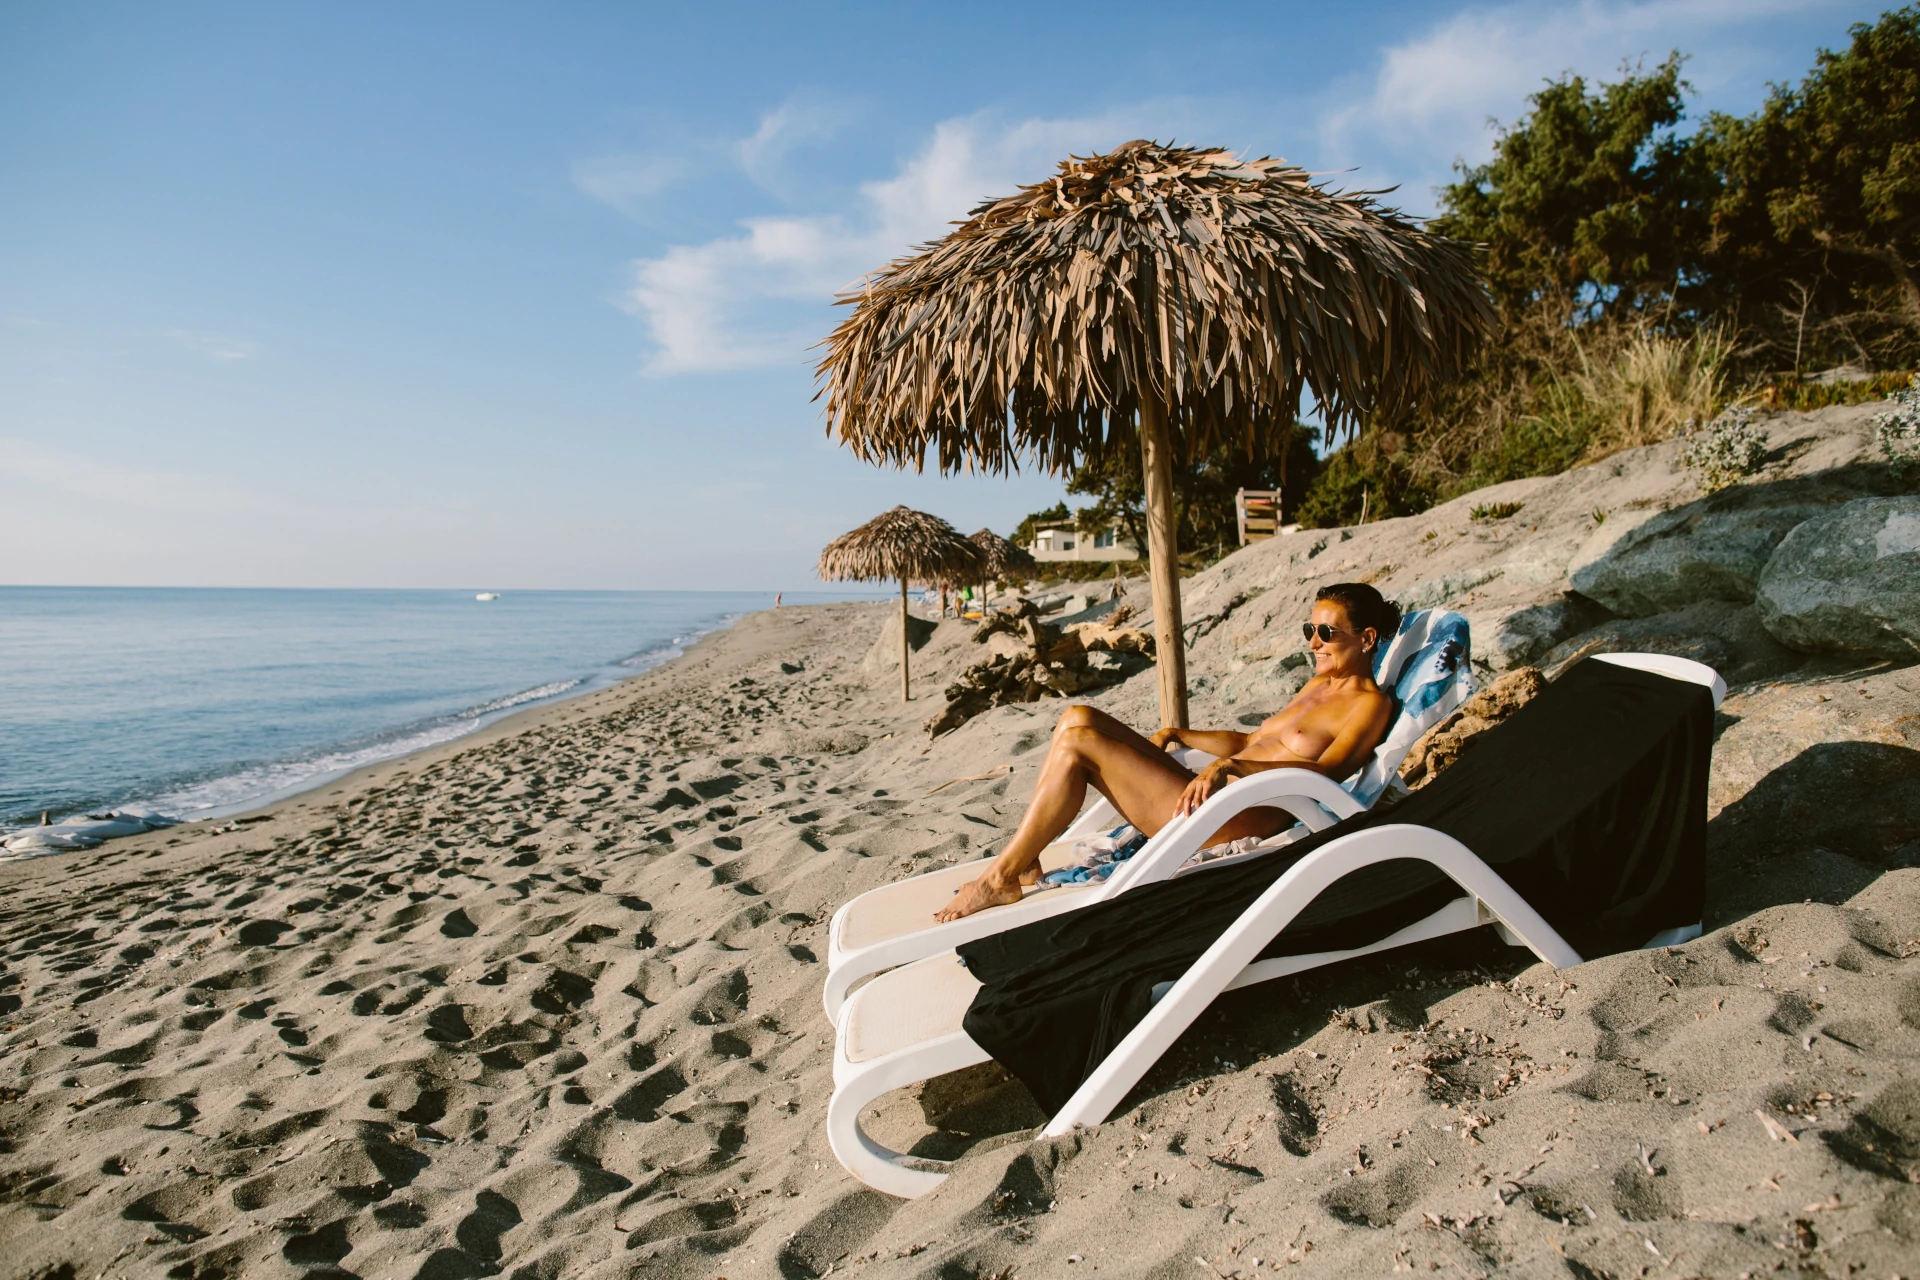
(1591, 200)
(1816, 227)
(1023, 533)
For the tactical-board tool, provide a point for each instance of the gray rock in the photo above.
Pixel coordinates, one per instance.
(1713, 549)
(1269, 684)
(1623, 637)
(1727, 637)
(1448, 587)
(1849, 581)
(1525, 634)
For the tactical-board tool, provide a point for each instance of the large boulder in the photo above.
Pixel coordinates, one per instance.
(1524, 635)
(1848, 581)
(1727, 637)
(1263, 687)
(1712, 549)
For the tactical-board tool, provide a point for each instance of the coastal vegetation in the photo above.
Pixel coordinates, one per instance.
(1647, 275)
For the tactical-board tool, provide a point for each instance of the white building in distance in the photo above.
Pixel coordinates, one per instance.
(1064, 542)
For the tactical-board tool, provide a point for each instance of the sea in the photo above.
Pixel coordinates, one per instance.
(203, 702)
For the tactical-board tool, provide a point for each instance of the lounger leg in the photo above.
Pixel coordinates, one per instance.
(1209, 975)
(860, 1084)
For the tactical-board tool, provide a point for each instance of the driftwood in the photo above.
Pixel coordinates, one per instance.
(1032, 660)
(1446, 741)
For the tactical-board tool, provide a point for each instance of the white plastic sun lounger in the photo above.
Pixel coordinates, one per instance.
(892, 925)
(906, 1025)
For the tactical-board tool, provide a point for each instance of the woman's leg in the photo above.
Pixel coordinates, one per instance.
(1090, 748)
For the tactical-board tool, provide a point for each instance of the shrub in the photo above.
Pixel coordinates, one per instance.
(1368, 477)
(1725, 451)
(1898, 432)
(1495, 511)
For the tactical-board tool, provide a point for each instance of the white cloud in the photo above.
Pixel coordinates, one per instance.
(1432, 98)
(627, 181)
(758, 297)
(215, 346)
(806, 117)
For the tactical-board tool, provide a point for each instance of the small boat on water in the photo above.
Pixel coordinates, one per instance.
(488, 595)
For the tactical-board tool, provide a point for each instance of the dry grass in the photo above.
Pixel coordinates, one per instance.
(1650, 388)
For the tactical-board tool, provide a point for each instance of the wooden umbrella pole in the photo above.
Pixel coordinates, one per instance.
(906, 694)
(1163, 554)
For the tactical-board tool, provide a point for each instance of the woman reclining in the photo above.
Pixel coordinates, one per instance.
(1332, 725)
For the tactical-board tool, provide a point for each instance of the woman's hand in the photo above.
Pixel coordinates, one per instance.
(1204, 785)
(1164, 738)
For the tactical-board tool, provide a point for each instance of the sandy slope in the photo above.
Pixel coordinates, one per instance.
(546, 1003)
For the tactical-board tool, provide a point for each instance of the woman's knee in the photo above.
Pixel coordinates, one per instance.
(1077, 717)
(1078, 742)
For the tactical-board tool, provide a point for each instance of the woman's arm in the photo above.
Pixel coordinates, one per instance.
(1359, 733)
(1215, 742)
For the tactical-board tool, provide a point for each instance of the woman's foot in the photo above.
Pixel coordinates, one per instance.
(978, 895)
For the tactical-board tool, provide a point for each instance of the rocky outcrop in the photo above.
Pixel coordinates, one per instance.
(1848, 581)
(1727, 637)
(1261, 687)
(1712, 549)
(1524, 635)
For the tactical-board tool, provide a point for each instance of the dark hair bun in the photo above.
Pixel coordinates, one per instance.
(1365, 607)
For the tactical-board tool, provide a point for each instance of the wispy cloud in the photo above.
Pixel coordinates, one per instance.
(1432, 98)
(628, 180)
(215, 346)
(807, 118)
(758, 296)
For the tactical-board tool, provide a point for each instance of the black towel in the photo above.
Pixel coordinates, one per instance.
(1591, 801)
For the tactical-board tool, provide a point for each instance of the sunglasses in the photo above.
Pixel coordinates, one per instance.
(1325, 632)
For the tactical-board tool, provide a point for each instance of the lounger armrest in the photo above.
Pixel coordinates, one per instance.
(1308, 796)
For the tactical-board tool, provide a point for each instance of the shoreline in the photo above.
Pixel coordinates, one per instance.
(584, 686)
(373, 775)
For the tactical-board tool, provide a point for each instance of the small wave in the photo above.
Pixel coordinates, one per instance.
(258, 783)
(552, 690)
(668, 650)
(249, 785)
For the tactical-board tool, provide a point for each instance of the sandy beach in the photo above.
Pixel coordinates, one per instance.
(546, 1001)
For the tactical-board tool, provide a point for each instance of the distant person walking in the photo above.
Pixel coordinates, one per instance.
(776, 599)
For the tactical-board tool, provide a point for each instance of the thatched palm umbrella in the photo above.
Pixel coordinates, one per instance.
(904, 544)
(1182, 296)
(1003, 559)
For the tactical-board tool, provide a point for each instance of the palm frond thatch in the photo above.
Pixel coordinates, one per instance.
(902, 543)
(1223, 287)
(1004, 559)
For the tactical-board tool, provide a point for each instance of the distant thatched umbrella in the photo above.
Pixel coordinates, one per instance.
(1183, 296)
(1004, 559)
(904, 544)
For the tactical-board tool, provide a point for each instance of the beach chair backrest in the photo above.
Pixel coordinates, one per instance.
(1427, 670)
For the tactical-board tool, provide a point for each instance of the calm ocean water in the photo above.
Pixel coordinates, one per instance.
(195, 701)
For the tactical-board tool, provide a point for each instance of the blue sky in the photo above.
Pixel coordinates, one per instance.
(520, 295)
